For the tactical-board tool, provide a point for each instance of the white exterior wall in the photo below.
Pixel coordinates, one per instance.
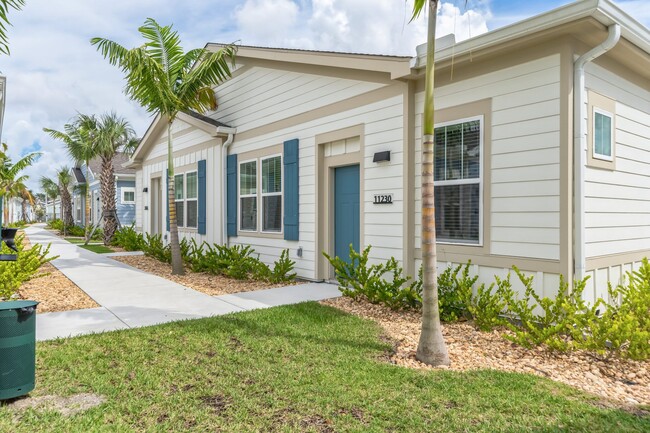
(617, 203)
(525, 158)
(261, 96)
(208, 148)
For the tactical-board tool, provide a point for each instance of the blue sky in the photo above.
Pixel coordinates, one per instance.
(53, 72)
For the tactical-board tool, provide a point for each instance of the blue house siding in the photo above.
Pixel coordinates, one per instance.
(125, 212)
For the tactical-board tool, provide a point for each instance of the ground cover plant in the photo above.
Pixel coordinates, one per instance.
(563, 322)
(301, 368)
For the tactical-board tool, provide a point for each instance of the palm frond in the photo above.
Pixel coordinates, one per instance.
(4, 21)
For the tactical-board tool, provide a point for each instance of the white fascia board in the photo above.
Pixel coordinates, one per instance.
(603, 11)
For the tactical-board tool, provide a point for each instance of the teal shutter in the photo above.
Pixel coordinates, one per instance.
(291, 190)
(202, 197)
(231, 195)
(167, 194)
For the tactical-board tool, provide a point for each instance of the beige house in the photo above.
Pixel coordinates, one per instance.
(542, 152)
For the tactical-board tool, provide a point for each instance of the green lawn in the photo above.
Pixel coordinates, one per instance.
(99, 249)
(290, 369)
(74, 240)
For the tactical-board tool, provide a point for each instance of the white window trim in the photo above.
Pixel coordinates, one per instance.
(270, 194)
(594, 154)
(127, 189)
(186, 199)
(481, 216)
(241, 196)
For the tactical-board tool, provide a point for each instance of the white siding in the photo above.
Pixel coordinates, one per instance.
(525, 203)
(617, 203)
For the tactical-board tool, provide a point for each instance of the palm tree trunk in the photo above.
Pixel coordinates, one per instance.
(24, 209)
(66, 210)
(431, 347)
(87, 209)
(177, 260)
(107, 180)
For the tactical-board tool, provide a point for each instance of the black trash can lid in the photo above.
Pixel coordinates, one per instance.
(17, 305)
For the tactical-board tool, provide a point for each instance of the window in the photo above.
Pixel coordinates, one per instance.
(248, 196)
(457, 175)
(128, 195)
(179, 199)
(268, 195)
(272, 194)
(603, 135)
(191, 199)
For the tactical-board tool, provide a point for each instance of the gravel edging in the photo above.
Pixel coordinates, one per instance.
(624, 381)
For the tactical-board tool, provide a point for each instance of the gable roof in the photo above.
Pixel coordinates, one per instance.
(78, 175)
(120, 158)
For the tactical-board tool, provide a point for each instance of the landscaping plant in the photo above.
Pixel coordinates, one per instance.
(25, 268)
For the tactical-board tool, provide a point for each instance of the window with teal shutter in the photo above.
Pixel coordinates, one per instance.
(231, 195)
(291, 197)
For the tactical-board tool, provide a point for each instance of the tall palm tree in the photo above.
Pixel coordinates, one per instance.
(50, 189)
(114, 134)
(165, 80)
(431, 347)
(4, 21)
(80, 139)
(28, 198)
(9, 172)
(64, 181)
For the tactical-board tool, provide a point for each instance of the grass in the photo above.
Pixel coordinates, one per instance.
(302, 368)
(99, 249)
(75, 240)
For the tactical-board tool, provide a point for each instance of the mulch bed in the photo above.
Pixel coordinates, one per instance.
(213, 285)
(624, 381)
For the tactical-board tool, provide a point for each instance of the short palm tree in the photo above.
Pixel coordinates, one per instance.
(80, 139)
(9, 173)
(114, 134)
(64, 181)
(4, 21)
(165, 80)
(431, 347)
(50, 189)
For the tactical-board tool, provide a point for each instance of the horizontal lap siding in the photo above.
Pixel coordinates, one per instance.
(617, 203)
(383, 126)
(525, 175)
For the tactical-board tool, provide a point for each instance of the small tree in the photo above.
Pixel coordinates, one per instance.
(65, 179)
(165, 80)
(51, 190)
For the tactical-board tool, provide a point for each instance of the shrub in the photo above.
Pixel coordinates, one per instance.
(25, 268)
(454, 291)
(282, 269)
(76, 231)
(129, 239)
(357, 279)
(153, 246)
(55, 224)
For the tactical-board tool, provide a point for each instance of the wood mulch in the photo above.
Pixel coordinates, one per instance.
(624, 381)
(213, 285)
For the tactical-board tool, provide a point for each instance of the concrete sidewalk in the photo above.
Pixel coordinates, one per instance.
(131, 298)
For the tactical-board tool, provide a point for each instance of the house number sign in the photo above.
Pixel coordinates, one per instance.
(383, 199)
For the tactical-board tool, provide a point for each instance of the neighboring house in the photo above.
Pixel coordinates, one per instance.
(14, 211)
(52, 209)
(313, 151)
(124, 191)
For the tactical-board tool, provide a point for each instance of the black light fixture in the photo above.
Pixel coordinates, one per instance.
(381, 156)
(145, 189)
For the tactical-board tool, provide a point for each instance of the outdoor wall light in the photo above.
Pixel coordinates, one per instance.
(381, 156)
(145, 189)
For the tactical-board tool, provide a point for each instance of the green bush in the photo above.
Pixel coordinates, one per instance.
(55, 224)
(454, 290)
(25, 268)
(282, 269)
(357, 279)
(16, 225)
(128, 238)
(76, 231)
(153, 246)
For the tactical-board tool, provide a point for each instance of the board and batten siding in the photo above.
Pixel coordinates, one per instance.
(261, 96)
(617, 203)
(125, 212)
(525, 152)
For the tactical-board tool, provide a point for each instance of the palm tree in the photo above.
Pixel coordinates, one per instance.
(51, 190)
(431, 347)
(9, 172)
(114, 134)
(4, 21)
(80, 139)
(64, 180)
(28, 197)
(165, 80)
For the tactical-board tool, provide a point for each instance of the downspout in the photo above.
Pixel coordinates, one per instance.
(224, 198)
(580, 146)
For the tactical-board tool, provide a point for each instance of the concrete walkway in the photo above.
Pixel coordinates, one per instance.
(131, 298)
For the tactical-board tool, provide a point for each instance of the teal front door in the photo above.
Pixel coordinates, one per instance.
(346, 210)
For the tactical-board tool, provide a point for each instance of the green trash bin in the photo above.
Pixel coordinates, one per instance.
(17, 348)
